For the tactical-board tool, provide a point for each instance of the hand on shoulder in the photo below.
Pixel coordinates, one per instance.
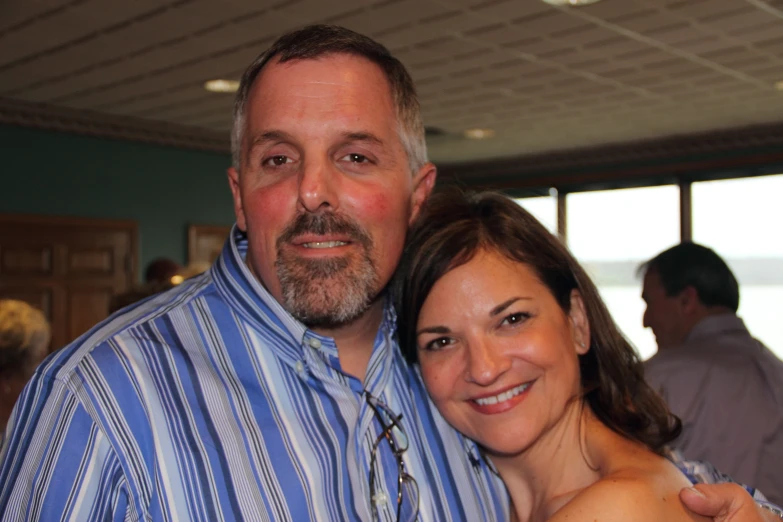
(628, 499)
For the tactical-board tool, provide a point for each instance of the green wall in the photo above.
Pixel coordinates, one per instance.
(162, 188)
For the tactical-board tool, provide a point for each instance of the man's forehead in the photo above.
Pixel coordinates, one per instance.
(329, 64)
(314, 77)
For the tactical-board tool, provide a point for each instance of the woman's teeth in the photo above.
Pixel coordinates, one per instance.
(503, 397)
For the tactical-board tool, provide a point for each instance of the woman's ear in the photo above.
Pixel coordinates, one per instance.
(580, 326)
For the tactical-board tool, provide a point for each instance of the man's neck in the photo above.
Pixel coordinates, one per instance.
(355, 340)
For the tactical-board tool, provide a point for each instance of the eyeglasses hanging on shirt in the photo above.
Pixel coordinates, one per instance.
(397, 439)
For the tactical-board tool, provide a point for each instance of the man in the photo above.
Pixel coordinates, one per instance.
(227, 398)
(725, 385)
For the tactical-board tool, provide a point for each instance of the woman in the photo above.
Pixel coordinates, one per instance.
(519, 353)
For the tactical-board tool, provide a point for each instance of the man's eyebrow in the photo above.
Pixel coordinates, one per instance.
(265, 137)
(363, 136)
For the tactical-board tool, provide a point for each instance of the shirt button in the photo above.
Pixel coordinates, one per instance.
(380, 498)
(314, 343)
(299, 366)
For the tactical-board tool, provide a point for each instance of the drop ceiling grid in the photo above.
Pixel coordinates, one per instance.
(619, 69)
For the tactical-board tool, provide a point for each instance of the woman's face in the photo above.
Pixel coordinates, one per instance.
(498, 354)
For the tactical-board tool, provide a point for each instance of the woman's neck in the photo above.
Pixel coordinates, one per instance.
(556, 467)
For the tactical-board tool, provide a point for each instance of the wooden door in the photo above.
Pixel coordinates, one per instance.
(67, 267)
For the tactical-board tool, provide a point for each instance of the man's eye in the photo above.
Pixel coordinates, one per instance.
(356, 158)
(277, 160)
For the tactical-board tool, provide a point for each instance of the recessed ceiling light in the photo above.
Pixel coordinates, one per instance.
(779, 85)
(221, 85)
(479, 134)
(573, 3)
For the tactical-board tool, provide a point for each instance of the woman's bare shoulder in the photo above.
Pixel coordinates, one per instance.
(631, 495)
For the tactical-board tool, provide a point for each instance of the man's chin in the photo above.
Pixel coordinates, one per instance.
(328, 320)
(329, 304)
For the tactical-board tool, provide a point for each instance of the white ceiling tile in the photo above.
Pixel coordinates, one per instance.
(758, 33)
(651, 22)
(703, 44)
(505, 10)
(614, 10)
(16, 14)
(774, 45)
(696, 8)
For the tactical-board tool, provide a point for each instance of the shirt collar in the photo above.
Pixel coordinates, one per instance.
(717, 325)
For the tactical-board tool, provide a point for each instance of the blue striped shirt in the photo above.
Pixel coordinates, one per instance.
(210, 402)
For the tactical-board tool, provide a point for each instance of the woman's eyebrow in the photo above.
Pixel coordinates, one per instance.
(505, 304)
(434, 329)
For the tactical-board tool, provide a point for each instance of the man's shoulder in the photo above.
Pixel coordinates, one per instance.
(126, 329)
(666, 361)
(686, 353)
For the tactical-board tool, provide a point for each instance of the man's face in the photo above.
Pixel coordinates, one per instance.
(665, 315)
(325, 193)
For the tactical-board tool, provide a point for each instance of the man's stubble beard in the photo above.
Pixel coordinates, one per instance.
(331, 292)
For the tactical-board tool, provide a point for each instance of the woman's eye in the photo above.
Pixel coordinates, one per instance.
(437, 344)
(277, 161)
(516, 318)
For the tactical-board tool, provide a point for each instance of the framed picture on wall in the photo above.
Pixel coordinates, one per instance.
(205, 242)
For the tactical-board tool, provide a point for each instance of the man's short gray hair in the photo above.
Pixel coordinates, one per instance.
(320, 40)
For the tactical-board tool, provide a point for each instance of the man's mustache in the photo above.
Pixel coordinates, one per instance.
(323, 223)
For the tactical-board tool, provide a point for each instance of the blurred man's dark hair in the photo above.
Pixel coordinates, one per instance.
(691, 264)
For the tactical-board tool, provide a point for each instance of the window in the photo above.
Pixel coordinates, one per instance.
(741, 220)
(543, 208)
(611, 233)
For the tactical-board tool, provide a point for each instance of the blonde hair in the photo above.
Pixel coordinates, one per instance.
(24, 337)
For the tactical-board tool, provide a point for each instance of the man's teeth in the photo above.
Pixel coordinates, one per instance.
(324, 244)
(503, 397)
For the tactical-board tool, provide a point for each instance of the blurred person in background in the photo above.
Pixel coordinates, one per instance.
(24, 340)
(161, 274)
(161, 270)
(726, 386)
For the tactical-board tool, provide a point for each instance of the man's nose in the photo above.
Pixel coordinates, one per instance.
(317, 185)
(486, 363)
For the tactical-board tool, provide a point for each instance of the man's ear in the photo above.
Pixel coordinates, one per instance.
(423, 183)
(580, 325)
(236, 193)
(689, 299)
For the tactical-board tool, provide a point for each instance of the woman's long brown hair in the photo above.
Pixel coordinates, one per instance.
(454, 226)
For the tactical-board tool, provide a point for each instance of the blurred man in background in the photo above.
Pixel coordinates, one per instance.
(726, 386)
